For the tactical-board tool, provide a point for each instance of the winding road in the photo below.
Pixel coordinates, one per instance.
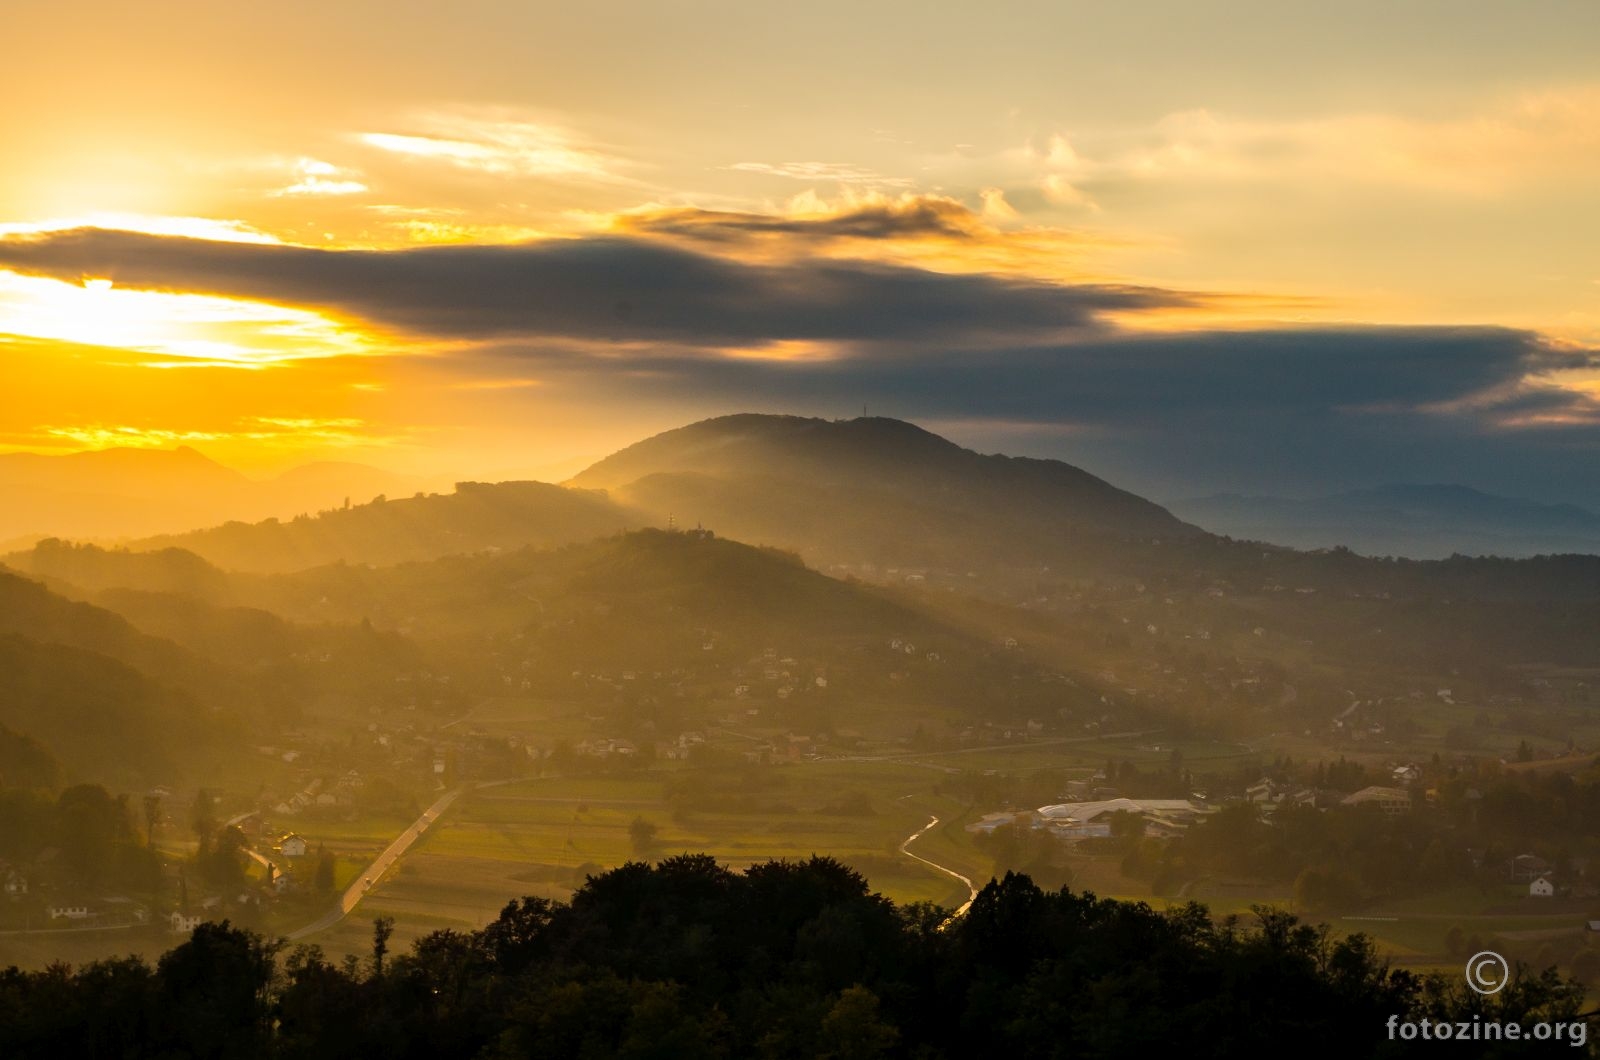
(905, 848)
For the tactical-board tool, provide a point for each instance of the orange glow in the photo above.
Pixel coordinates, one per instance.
(200, 328)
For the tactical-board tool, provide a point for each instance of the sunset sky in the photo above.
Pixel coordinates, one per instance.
(1269, 247)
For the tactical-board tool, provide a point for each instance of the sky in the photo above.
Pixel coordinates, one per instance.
(1254, 247)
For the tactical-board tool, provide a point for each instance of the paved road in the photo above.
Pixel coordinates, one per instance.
(370, 876)
(972, 892)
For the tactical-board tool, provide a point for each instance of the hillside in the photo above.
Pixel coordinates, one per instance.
(871, 489)
(473, 518)
(687, 615)
(101, 719)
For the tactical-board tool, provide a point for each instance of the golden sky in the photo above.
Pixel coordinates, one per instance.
(666, 211)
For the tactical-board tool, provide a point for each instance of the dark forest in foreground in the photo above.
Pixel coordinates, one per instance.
(687, 959)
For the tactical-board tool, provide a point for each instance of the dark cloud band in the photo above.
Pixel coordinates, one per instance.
(598, 289)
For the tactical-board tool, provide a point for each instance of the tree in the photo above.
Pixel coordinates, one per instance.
(852, 1029)
(1126, 828)
(643, 835)
(382, 929)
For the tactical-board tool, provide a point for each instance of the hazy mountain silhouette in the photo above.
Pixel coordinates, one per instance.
(871, 489)
(1420, 521)
(121, 493)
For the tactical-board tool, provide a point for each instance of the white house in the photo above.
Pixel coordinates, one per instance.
(182, 923)
(68, 912)
(1541, 888)
(293, 846)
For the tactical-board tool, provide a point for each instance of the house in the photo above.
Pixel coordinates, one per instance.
(1390, 801)
(293, 845)
(68, 911)
(1263, 790)
(1541, 888)
(15, 883)
(182, 923)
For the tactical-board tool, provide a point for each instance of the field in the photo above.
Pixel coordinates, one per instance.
(542, 837)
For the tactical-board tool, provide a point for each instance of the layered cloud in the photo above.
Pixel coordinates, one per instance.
(692, 311)
(605, 289)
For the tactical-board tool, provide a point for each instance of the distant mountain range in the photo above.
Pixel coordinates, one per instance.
(1009, 575)
(120, 493)
(1417, 521)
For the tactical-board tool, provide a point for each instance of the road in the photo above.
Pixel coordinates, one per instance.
(370, 876)
(905, 848)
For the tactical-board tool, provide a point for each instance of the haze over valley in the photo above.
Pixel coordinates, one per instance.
(572, 531)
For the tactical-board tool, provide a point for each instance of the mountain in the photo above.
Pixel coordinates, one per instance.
(873, 490)
(1419, 521)
(121, 493)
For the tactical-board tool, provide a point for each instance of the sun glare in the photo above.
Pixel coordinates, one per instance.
(195, 328)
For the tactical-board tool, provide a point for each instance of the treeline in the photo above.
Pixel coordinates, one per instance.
(84, 837)
(689, 959)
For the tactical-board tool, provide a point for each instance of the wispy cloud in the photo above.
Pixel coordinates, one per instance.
(315, 177)
(823, 173)
(498, 145)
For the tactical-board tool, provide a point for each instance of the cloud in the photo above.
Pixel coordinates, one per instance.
(600, 289)
(498, 144)
(873, 218)
(1292, 411)
(823, 173)
(651, 317)
(322, 178)
(925, 231)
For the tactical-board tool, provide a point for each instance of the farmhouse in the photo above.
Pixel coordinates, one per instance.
(1541, 888)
